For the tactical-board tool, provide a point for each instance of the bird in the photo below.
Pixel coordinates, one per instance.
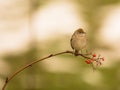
(78, 41)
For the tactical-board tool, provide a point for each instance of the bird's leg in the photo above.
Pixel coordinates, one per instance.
(81, 51)
(86, 51)
(76, 52)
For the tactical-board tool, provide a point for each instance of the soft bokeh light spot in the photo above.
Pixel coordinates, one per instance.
(57, 17)
(110, 32)
(111, 26)
(13, 41)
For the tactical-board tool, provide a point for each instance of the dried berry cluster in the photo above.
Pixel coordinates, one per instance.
(95, 60)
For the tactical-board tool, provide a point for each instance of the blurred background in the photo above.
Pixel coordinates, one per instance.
(32, 29)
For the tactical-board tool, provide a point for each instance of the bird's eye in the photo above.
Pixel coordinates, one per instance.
(81, 32)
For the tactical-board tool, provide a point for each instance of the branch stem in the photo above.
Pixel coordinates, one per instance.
(8, 79)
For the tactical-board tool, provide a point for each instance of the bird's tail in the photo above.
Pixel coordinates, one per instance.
(76, 53)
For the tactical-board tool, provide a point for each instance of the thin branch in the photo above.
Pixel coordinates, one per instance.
(8, 79)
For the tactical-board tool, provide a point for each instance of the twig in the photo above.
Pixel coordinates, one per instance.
(8, 79)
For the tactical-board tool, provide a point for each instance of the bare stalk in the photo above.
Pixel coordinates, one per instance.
(9, 78)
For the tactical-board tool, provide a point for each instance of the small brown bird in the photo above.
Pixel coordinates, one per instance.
(78, 41)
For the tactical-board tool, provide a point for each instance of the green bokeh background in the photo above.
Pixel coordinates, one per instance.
(39, 77)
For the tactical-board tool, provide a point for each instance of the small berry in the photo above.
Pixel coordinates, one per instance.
(94, 55)
(88, 61)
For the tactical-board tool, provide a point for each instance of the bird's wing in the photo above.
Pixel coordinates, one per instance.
(71, 43)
